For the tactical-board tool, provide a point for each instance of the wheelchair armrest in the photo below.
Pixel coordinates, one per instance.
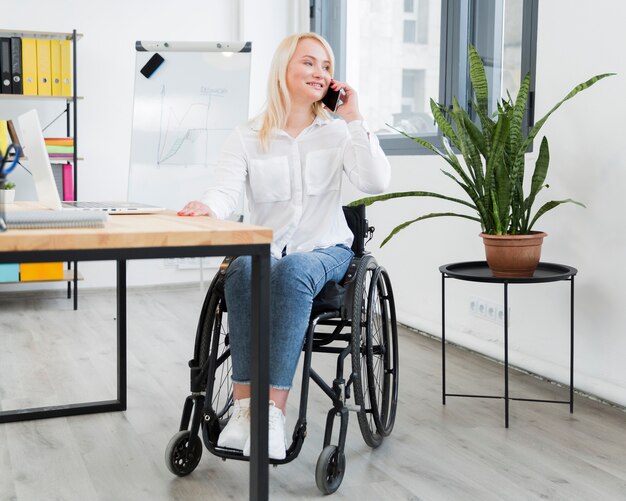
(351, 272)
(218, 281)
(225, 264)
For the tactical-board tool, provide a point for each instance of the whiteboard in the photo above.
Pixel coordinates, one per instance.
(182, 114)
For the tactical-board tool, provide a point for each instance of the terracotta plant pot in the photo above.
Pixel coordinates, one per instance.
(513, 255)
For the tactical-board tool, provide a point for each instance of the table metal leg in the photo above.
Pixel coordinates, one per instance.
(75, 284)
(506, 354)
(571, 349)
(121, 335)
(443, 338)
(259, 402)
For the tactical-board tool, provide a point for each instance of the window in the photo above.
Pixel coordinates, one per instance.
(416, 22)
(400, 55)
(410, 30)
(422, 21)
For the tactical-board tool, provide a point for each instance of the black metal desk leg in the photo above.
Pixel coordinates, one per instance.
(506, 354)
(75, 284)
(443, 338)
(121, 335)
(259, 462)
(571, 349)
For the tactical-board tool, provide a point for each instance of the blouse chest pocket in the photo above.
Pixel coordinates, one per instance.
(323, 171)
(270, 180)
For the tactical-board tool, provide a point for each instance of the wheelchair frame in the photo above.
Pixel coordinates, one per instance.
(371, 341)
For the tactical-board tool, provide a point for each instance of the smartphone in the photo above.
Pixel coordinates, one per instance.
(331, 99)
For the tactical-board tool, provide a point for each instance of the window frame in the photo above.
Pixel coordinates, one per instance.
(328, 18)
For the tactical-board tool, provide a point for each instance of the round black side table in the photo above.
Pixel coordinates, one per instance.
(478, 271)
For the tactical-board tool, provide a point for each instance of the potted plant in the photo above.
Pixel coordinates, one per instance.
(488, 163)
(7, 193)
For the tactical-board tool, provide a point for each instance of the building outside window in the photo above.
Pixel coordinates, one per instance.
(399, 54)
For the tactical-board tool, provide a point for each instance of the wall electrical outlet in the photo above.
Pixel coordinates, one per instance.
(487, 310)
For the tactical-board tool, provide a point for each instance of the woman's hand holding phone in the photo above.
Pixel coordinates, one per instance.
(346, 103)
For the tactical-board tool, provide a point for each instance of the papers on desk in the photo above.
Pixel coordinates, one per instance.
(25, 220)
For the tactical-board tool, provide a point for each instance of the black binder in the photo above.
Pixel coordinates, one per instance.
(16, 65)
(5, 65)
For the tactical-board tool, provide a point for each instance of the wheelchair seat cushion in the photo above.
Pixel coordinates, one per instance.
(330, 298)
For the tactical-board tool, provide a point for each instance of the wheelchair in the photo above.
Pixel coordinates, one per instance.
(355, 318)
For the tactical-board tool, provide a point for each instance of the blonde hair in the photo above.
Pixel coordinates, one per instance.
(278, 103)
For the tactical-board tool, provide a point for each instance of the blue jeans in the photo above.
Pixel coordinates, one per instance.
(295, 280)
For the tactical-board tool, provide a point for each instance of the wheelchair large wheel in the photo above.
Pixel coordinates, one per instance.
(213, 356)
(368, 413)
(382, 351)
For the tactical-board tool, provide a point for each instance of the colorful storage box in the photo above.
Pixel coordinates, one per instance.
(9, 272)
(33, 272)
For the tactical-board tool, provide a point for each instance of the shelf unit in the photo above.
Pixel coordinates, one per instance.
(71, 276)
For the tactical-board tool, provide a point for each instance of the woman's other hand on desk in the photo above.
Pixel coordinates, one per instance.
(195, 208)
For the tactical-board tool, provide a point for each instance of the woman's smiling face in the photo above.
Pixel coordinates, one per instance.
(308, 72)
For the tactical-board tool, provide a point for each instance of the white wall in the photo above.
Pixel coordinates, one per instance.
(588, 163)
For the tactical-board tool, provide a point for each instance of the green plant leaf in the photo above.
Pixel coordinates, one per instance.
(517, 114)
(541, 168)
(495, 158)
(470, 152)
(401, 194)
(475, 134)
(466, 184)
(537, 127)
(442, 123)
(479, 80)
(549, 206)
(537, 183)
(487, 125)
(504, 193)
(419, 141)
(421, 218)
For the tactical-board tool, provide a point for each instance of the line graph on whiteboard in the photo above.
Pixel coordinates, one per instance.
(190, 136)
(183, 114)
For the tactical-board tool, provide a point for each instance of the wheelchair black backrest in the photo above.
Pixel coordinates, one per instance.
(355, 217)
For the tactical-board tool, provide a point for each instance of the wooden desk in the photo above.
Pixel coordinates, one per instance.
(161, 235)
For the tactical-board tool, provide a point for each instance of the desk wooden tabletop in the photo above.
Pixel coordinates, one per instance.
(163, 229)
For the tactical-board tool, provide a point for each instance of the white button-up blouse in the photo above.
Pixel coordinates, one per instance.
(295, 187)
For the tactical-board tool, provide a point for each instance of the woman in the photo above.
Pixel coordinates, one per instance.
(290, 159)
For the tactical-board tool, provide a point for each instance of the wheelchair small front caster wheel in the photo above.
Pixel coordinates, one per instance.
(331, 465)
(182, 455)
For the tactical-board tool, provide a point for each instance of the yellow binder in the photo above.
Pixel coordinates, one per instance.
(44, 85)
(4, 136)
(55, 66)
(34, 272)
(29, 66)
(66, 68)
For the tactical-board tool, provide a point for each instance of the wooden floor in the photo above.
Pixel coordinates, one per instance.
(50, 354)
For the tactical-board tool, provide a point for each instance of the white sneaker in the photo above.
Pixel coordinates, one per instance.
(237, 432)
(277, 445)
